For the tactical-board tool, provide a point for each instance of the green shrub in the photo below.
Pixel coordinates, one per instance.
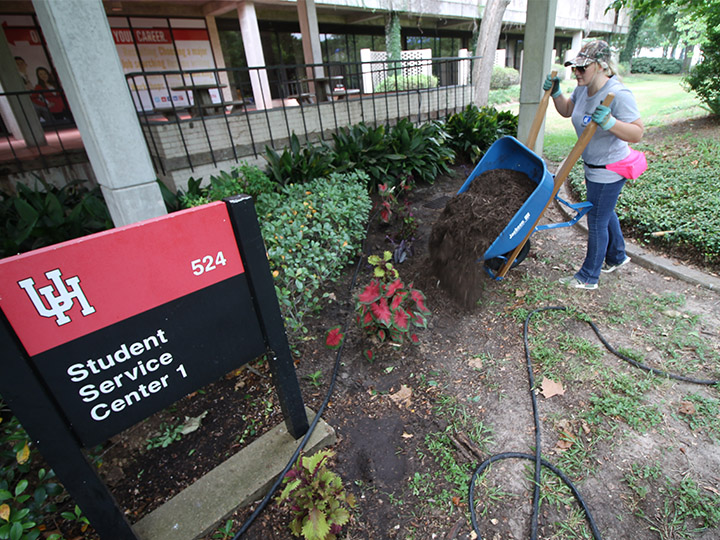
(298, 163)
(504, 77)
(419, 153)
(668, 66)
(362, 147)
(400, 83)
(404, 152)
(311, 232)
(504, 95)
(705, 82)
(704, 79)
(316, 498)
(244, 178)
(46, 215)
(472, 131)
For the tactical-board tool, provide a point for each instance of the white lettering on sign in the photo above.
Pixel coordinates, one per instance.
(58, 304)
(79, 372)
(147, 377)
(122, 36)
(208, 263)
(100, 411)
(91, 392)
(150, 36)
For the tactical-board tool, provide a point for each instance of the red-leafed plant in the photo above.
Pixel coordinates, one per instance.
(397, 213)
(387, 309)
(334, 338)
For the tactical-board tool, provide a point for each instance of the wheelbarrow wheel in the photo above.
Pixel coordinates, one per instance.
(496, 263)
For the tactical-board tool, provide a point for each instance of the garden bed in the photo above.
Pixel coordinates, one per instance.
(413, 424)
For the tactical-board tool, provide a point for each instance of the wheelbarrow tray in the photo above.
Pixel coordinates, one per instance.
(509, 153)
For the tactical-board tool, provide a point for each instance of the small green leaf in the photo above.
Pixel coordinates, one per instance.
(20, 487)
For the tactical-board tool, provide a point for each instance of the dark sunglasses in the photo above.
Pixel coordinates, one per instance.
(579, 69)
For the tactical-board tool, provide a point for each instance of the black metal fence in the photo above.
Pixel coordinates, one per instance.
(37, 131)
(200, 119)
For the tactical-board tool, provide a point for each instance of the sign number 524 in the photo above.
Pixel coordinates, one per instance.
(207, 263)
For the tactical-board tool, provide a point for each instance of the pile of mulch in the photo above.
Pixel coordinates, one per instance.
(469, 224)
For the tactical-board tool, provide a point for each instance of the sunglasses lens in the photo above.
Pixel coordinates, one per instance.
(580, 69)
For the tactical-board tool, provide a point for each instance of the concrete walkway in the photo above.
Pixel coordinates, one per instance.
(651, 261)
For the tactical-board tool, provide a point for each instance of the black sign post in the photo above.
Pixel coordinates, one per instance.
(101, 332)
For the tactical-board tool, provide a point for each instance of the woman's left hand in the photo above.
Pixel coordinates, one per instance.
(603, 118)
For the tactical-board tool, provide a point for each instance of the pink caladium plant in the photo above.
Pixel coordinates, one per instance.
(334, 338)
(391, 311)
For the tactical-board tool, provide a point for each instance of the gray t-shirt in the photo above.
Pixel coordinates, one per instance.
(604, 147)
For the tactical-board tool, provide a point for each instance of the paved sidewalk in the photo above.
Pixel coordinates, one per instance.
(651, 261)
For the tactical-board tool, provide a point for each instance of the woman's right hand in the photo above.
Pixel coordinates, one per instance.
(554, 84)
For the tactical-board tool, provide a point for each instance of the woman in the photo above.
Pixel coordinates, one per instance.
(52, 100)
(619, 125)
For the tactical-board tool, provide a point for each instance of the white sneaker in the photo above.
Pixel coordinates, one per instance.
(575, 283)
(607, 268)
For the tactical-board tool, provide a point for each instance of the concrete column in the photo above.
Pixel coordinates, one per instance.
(537, 60)
(573, 52)
(18, 111)
(254, 55)
(511, 53)
(228, 94)
(307, 15)
(83, 52)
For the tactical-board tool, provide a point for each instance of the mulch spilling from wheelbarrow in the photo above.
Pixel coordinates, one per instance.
(469, 224)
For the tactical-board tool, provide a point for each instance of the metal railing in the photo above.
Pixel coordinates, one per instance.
(37, 131)
(237, 113)
(199, 119)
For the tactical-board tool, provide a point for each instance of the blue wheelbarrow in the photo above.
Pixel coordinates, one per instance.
(512, 244)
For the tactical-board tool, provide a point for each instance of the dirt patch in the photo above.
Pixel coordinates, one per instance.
(469, 224)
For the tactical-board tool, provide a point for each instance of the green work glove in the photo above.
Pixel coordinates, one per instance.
(554, 83)
(603, 118)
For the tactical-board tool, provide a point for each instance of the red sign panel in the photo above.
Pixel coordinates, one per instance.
(54, 295)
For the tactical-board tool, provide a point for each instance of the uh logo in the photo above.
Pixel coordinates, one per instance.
(58, 298)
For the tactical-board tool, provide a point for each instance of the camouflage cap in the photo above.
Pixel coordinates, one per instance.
(594, 51)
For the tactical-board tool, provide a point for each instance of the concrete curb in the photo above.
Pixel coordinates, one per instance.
(242, 479)
(657, 263)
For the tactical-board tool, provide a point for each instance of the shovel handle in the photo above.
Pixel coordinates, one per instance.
(560, 177)
(539, 116)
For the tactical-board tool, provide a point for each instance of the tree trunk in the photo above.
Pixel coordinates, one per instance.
(687, 57)
(486, 47)
(636, 22)
(393, 40)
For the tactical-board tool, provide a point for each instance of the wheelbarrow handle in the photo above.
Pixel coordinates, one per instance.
(560, 177)
(539, 116)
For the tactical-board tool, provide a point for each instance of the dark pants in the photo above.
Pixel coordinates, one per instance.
(605, 239)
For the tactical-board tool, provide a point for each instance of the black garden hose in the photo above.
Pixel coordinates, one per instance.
(261, 506)
(537, 457)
